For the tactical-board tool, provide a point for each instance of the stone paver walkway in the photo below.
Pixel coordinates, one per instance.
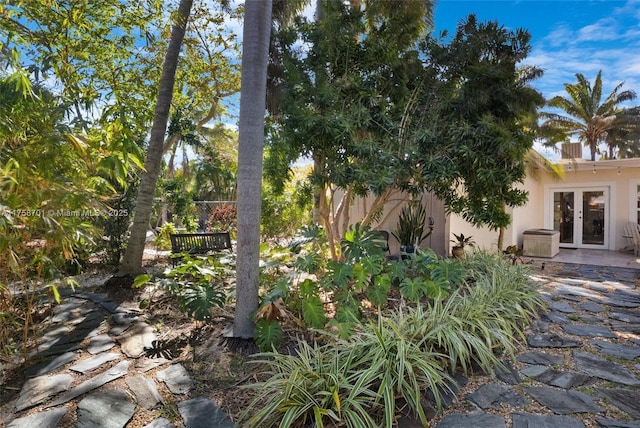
(581, 359)
(90, 342)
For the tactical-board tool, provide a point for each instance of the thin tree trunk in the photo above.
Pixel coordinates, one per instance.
(255, 57)
(132, 261)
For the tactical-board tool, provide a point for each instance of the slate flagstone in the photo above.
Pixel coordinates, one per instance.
(40, 389)
(97, 381)
(529, 420)
(604, 369)
(90, 364)
(625, 399)
(176, 378)
(563, 402)
(108, 409)
(46, 419)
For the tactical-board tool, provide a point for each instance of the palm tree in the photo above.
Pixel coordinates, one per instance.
(253, 81)
(587, 117)
(624, 137)
(132, 261)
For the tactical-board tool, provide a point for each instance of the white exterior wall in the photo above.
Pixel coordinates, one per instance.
(622, 185)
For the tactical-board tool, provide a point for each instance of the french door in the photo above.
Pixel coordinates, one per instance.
(582, 216)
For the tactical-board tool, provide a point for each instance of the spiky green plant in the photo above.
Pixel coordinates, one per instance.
(321, 384)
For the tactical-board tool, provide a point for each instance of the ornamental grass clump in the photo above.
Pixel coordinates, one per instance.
(323, 385)
(400, 355)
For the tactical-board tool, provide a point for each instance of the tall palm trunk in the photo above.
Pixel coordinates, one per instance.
(132, 261)
(255, 57)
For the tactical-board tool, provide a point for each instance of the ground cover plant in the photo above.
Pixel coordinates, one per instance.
(385, 332)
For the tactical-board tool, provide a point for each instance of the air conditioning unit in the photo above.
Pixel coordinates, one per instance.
(571, 150)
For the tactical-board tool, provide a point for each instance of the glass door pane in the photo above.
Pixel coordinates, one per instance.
(593, 221)
(563, 215)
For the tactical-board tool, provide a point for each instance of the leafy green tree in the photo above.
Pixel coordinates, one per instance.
(623, 138)
(478, 122)
(344, 97)
(586, 115)
(51, 169)
(255, 51)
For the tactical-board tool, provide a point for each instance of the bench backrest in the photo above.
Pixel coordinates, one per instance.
(200, 243)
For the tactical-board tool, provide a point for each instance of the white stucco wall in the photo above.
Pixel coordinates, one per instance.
(621, 178)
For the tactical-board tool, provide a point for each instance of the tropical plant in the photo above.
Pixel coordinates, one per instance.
(411, 225)
(196, 283)
(623, 138)
(319, 385)
(586, 115)
(461, 241)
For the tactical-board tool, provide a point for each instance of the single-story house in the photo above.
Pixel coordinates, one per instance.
(589, 207)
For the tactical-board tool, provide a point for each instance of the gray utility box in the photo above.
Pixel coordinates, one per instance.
(540, 242)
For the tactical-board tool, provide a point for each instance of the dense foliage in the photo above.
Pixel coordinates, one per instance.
(455, 315)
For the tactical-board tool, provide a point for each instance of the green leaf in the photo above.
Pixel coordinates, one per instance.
(313, 312)
(196, 300)
(379, 291)
(141, 280)
(267, 334)
(412, 289)
(308, 288)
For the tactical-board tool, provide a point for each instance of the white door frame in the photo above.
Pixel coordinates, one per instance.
(578, 188)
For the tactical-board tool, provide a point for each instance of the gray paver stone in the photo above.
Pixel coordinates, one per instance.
(588, 330)
(176, 378)
(90, 364)
(41, 388)
(535, 357)
(563, 307)
(108, 409)
(100, 343)
(551, 341)
(626, 352)
(614, 423)
(494, 394)
(47, 419)
(625, 399)
(529, 420)
(49, 366)
(97, 381)
(563, 402)
(145, 391)
(626, 317)
(145, 364)
(591, 307)
(477, 420)
(136, 339)
(200, 412)
(604, 369)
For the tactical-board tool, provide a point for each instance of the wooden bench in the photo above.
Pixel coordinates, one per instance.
(199, 243)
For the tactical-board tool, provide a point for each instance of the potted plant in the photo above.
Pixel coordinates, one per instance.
(410, 231)
(460, 242)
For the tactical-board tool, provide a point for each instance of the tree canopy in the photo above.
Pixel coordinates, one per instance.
(379, 113)
(586, 115)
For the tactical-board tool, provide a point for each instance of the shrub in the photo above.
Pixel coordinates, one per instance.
(407, 351)
(223, 218)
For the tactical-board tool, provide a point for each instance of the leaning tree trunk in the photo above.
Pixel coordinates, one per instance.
(253, 83)
(132, 261)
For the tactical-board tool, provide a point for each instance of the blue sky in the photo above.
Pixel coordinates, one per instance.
(568, 37)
